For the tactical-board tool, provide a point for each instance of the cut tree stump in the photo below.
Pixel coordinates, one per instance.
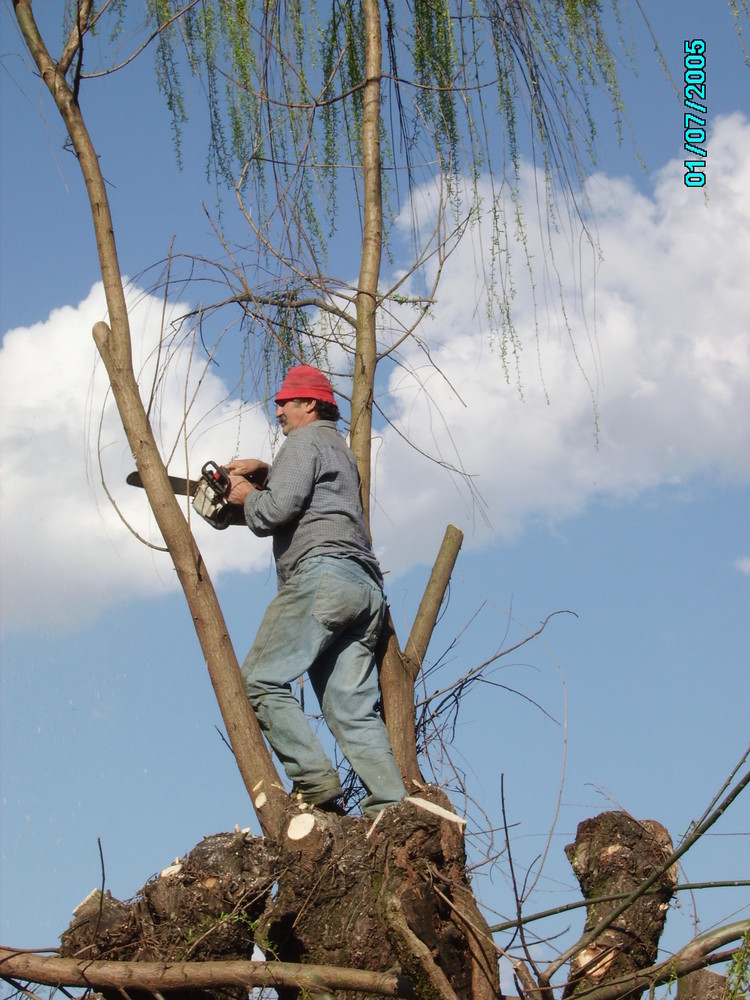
(331, 891)
(612, 855)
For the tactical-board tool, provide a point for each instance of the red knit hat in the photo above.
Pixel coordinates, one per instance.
(305, 382)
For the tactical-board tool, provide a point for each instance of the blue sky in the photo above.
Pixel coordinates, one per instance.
(109, 725)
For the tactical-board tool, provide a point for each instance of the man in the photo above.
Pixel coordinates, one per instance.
(329, 610)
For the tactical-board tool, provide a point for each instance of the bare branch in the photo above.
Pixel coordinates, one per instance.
(429, 608)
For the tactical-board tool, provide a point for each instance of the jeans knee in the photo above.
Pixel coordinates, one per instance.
(259, 688)
(254, 697)
(253, 689)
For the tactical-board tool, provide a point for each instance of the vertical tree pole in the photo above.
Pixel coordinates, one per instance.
(372, 248)
(398, 670)
(114, 344)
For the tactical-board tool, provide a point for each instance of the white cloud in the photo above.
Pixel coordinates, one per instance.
(66, 554)
(668, 367)
(742, 563)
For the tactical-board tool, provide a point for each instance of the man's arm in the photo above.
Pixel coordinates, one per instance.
(289, 488)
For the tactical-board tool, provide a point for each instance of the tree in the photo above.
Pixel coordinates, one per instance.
(286, 108)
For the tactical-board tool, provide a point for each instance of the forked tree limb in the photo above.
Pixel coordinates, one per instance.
(429, 608)
(399, 670)
(114, 343)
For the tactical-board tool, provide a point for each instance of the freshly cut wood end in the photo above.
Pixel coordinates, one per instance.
(171, 870)
(93, 895)
(300, 826)
(431, 807)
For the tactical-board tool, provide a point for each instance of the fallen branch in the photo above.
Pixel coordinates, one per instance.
(158, 977)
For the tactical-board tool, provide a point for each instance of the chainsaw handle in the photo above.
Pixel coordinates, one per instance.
(217, 476)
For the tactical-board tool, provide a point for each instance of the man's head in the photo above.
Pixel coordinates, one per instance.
(305, 395)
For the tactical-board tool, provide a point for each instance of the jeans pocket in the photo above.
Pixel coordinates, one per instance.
(340, 601)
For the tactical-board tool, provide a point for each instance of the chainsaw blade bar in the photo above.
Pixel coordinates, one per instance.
(181, 486)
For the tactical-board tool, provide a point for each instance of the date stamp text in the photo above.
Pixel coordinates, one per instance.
(696, 111)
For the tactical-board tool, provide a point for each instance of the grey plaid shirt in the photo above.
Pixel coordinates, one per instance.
(311, 504)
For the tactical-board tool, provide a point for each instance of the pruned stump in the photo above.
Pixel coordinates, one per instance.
(423, 900)
(331, 891)
(612, 855)
(322, 911)
(390, 894)
(205, 906)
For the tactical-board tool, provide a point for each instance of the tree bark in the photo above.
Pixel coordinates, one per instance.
(168, 977)
(694, 956)
(702, 985)
(333, 892)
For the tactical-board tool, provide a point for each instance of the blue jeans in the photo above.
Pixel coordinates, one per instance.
(325, 621)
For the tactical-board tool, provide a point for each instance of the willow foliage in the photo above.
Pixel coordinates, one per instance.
(465, 85)
(283, 82)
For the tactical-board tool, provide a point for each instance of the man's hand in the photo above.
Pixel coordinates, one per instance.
(246, 475)
(252, 468)
(239, 489)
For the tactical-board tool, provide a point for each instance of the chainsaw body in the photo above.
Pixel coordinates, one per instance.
(210, 498)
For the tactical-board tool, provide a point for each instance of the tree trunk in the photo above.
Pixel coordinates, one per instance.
(613, 854)
(398, 670)
(251, 752)
(372, 247)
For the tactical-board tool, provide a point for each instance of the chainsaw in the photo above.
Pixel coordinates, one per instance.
(209, 493)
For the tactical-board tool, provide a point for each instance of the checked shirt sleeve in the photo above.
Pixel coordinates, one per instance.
(288, 490)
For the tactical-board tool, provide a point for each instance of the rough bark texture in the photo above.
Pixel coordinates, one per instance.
(702, 985)
(336, 891)
(613, 854)
(203, 908)
(423, 901)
